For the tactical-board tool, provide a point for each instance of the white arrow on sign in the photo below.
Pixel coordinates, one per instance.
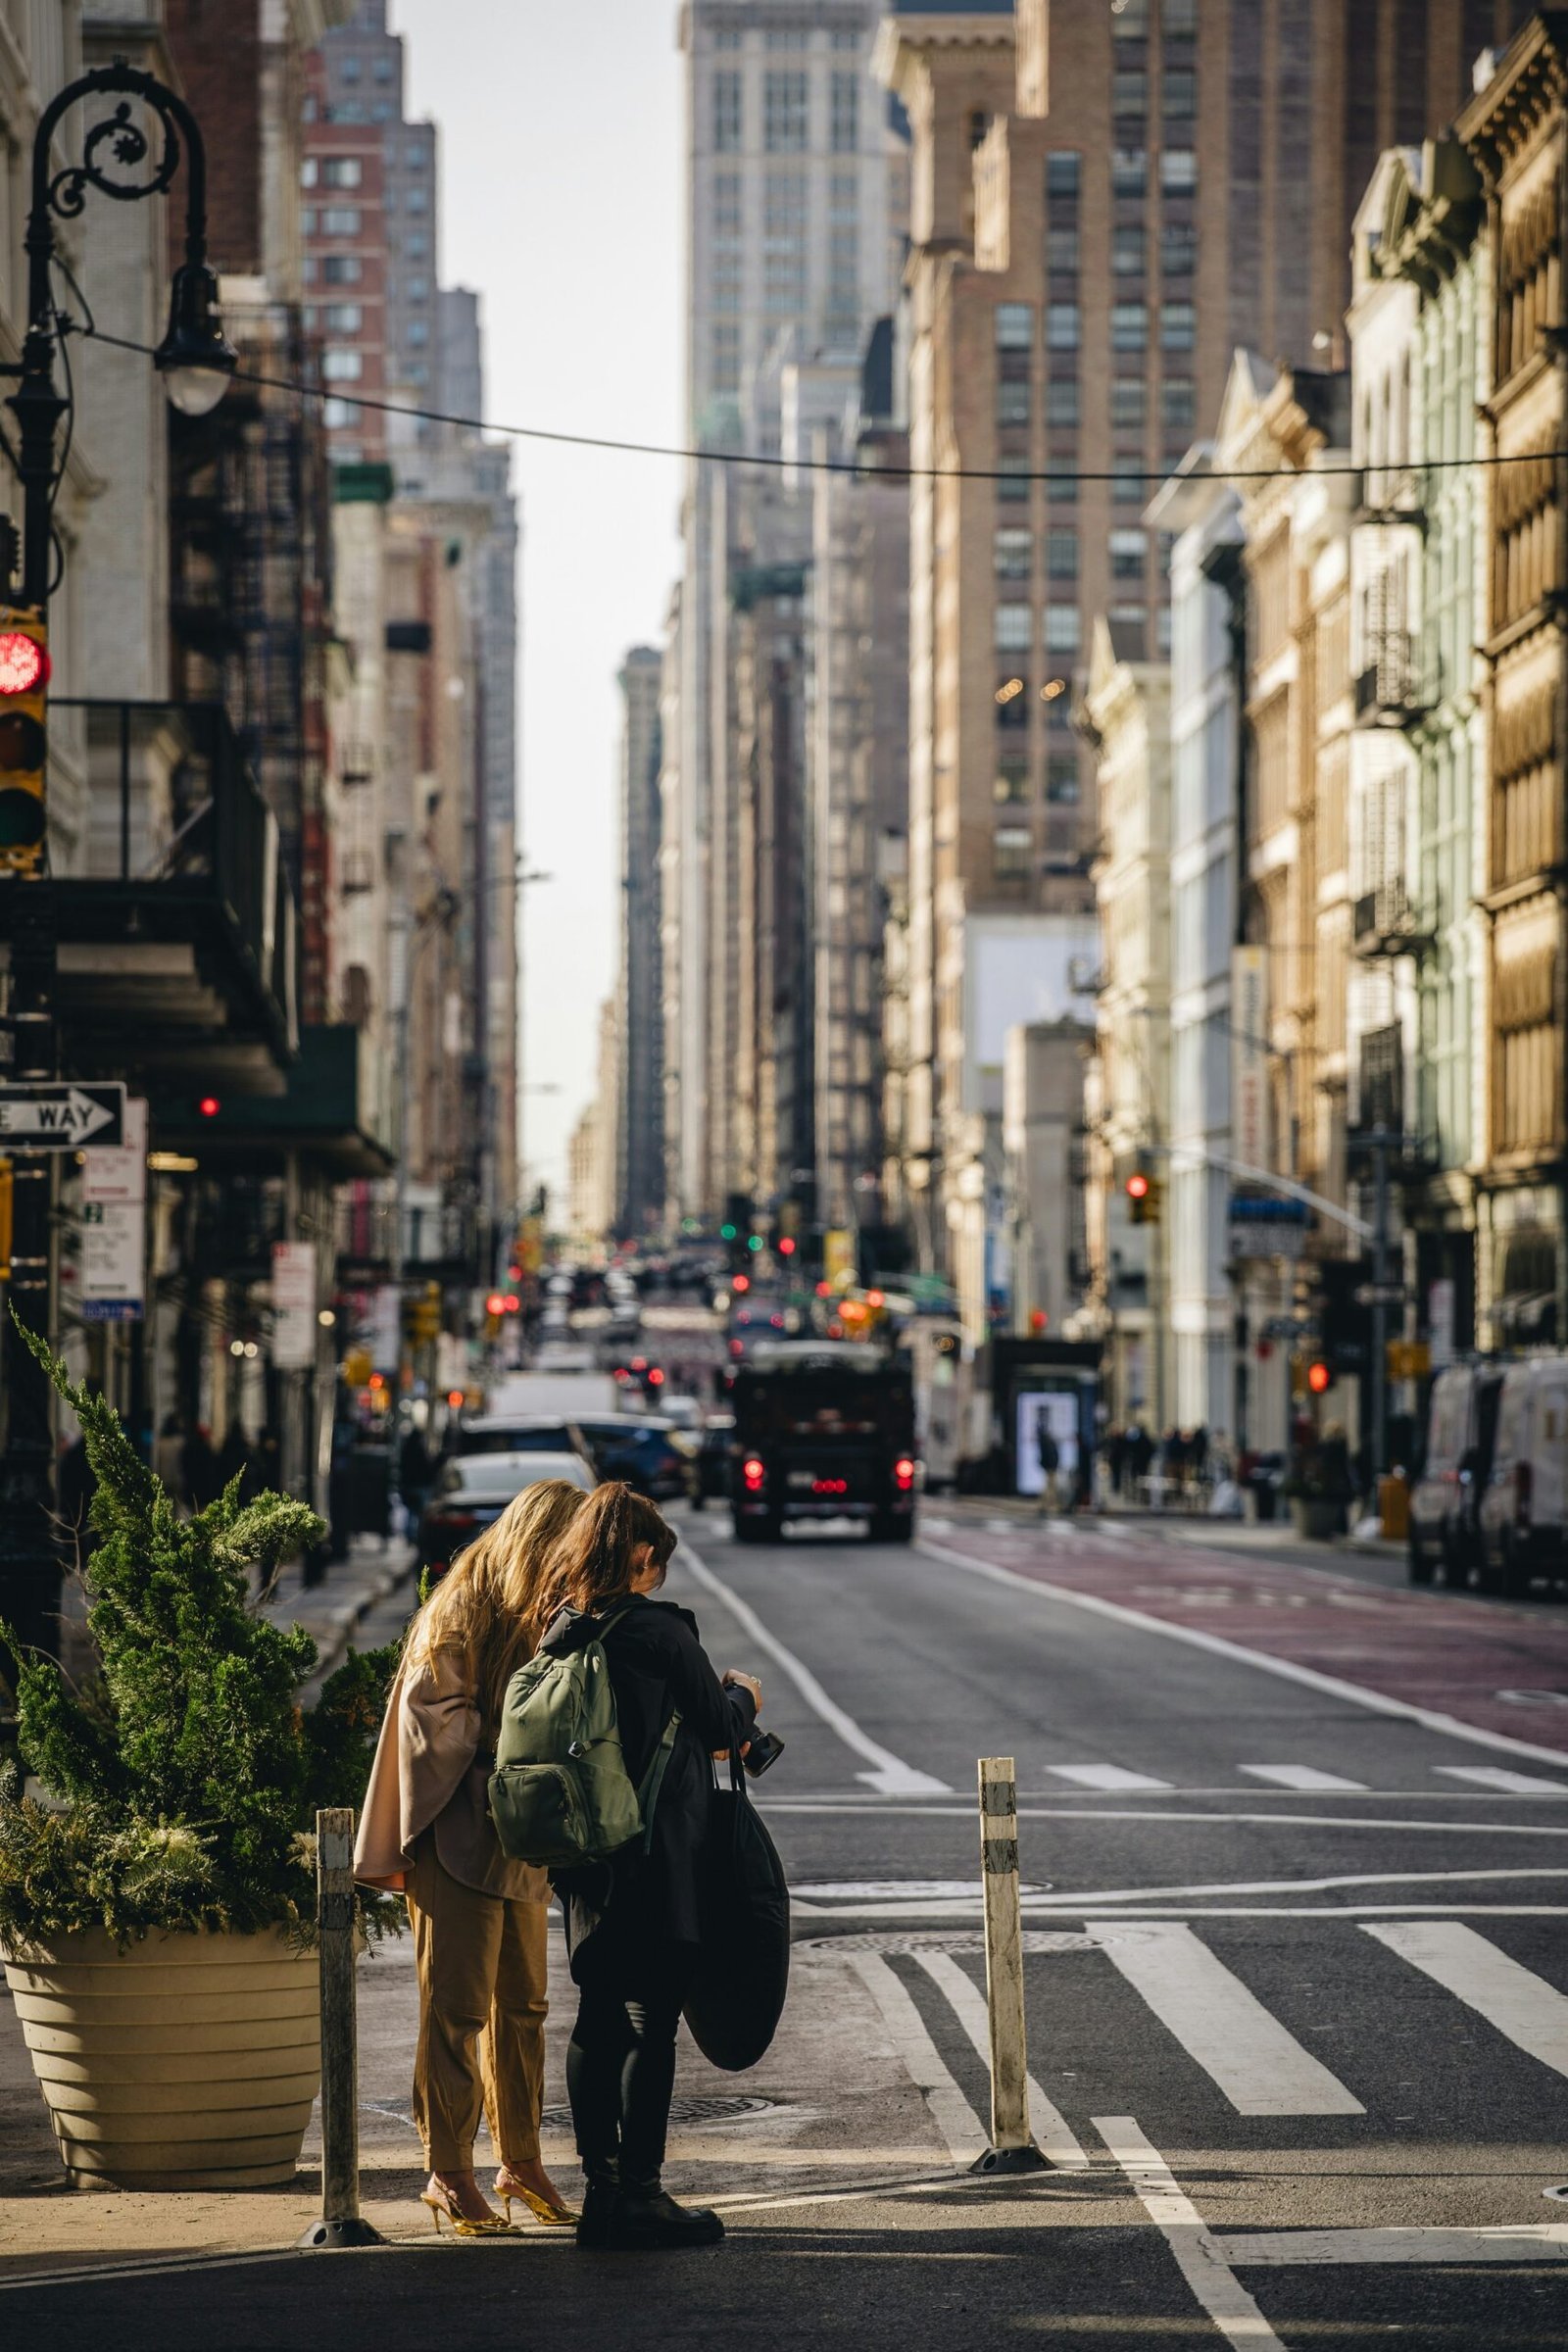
(68, 1117)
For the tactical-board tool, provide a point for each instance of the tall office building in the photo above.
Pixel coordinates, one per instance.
(639, 1179)
(1108, 199)
(792, 201)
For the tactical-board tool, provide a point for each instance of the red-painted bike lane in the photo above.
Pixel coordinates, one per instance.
(1502, 1669)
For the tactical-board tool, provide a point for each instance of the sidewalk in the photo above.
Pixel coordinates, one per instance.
(333, 1611)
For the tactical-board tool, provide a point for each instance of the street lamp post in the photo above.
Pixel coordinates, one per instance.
(123, 158)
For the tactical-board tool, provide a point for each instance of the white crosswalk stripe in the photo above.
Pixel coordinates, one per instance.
(1256, 2062)
(1494, 1776)
(1306, 1778)
(1532, 2014)
(1105, 1776)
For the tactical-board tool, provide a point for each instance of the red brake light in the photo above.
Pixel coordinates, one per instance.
(741, 1282)
(209, 1107)
(655, 1378)
(755, 1472)
(904, 1471)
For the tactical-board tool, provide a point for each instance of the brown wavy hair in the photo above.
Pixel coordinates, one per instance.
(592, 1565)
(485, 1610)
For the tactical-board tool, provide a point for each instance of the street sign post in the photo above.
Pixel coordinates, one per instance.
(49, 1117)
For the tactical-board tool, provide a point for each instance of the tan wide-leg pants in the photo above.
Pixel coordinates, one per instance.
(483, 1972)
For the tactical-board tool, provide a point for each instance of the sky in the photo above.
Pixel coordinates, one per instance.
(561, 181)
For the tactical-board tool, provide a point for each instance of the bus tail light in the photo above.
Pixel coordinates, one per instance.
(755, 1473)
(904, 1474)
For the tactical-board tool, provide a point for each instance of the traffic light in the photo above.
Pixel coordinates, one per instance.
(23, 738)
(1319, 1379)
(733, 1232)
(421, 1317)
(1144, 1192)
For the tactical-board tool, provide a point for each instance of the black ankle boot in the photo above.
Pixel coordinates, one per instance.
(600, 2200)
(647, 2220)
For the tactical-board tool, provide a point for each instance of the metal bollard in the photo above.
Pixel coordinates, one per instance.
(341, 2223)
(1012, 2148)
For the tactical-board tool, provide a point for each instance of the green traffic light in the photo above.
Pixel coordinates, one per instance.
(726, 1233)
(755, 1242)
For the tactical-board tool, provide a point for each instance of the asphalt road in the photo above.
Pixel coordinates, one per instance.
(1296, 1978)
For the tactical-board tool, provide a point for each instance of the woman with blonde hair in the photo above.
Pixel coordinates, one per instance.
(479, 1919)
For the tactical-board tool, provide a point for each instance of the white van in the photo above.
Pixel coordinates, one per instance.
(1524, 1512)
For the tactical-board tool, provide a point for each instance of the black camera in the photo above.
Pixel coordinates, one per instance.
(763, 1752)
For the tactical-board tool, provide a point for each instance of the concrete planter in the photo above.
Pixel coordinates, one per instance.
(186, 2060)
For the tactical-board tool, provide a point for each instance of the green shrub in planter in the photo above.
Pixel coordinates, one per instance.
(183, 1780)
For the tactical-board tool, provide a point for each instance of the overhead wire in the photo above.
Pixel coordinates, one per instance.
(768, 462)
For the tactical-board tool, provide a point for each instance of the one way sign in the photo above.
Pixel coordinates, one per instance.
(61, 1118)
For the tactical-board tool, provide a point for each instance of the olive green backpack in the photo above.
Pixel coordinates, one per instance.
(561, 1795)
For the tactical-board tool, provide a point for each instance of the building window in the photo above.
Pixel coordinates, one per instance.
(1127, 482)
(339, 413)
(1131, 623)
(1178, 402)
(1178, 250)
(1178, 172)
(381, 111)
(308, 173)
(1179, 20)
(1010, 858)
(786, 113)
(843, 198)
(416, 156)
(1127, 404)
(1129, 171)
(1128, 552)
(1178, 327)
(1062, 326)
(727, 36)
(727, 112)
(1063, 171)
(1014, 554)
(347, 110)
(786, 36)
(418, 331)
(307, 272)
(1129, 325)
(1012, 481)
(1180, 93)
(1062, 551)
(1015, 326)
(1127, 248)
(343, 317)
(726, 367)
(417, 245)
(727, 219)
(342, 366)
(341, 220)
(1013, 404)
(1061, 401)
(417, 200)
(349, 68)
(1061, 481)
(1162, 630)
(341, 172)
(1010, 785)
(1062, 252)
(417, 372)
(1061, 629)
(1014, 628)
(1012, 700)
(417, 289)
(846, 113)
(385, 70)
(784, 282)
(342, 269)
(1130, 22)
(1129, 93)
(1062, 777)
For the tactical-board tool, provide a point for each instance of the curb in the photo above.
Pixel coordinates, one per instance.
(332, 1649)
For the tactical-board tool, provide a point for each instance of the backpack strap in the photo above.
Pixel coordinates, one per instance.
(653, 1778)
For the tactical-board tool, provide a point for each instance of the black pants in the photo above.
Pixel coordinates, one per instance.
(621, 2062)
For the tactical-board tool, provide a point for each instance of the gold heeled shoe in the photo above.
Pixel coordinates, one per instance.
(442, 2202)
(548, 2214)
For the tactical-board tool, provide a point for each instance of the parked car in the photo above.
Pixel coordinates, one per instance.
(515, 1433)
(1446, 1498)
(1524, 1511)
(640, 1451)
(472, 1493)
(715, 1456)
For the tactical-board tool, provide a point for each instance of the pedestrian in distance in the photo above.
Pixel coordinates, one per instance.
(634, 1923)
(1049, 1453)
(479, 1919)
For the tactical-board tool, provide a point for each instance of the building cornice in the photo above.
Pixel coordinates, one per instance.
(904, 44)
(1530, 84)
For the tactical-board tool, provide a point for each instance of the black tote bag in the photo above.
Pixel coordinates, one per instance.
(743, 1965)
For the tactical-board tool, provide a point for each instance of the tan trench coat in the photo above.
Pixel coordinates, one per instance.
(429, 1769)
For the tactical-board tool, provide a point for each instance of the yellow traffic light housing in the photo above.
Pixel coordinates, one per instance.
(23, 739)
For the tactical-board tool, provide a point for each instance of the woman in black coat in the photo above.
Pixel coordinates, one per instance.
(633, 1924)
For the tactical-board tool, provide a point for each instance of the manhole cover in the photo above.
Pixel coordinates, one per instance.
(906, 1891)
(682, 2111)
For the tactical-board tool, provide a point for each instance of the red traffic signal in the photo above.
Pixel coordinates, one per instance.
(786, 1248)
(24, 664)
(741, 1282)
(1138, 1186)
(495, 1304)
(209, 1107)
(1319, 1378)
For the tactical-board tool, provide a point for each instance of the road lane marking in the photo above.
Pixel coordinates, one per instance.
(1112, 1777)
(1524, 2007)
(1305, 1779)
(1283, 2249)
(1242, 2047)
(1058, 1897)
(889, 1775)
(1379, 1702)
(1196, 2250)
(1480, 1828)
(1508, 1783)
(1054, 2135)
(922, 2061)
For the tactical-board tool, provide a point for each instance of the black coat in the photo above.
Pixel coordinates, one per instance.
(657, 1664)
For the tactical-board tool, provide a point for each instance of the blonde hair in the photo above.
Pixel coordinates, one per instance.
(593, 1565)
(486, 1607)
